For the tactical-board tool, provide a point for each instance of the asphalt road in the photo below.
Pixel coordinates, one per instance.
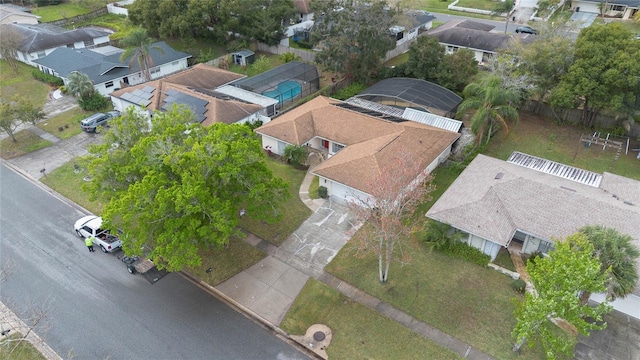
(95, 309)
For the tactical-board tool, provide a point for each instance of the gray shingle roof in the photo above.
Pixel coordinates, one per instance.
(547, 206)
(629, 3)
(37, 37)
(474, 35)
(102, 68)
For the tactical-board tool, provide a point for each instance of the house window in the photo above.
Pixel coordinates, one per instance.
(108, 84)
(88, 43)
(451, 49)
(399, 36)
(336, 147)
(546, 247)
(41, 54)
(70, 46)
(617, 7)
(155, 70)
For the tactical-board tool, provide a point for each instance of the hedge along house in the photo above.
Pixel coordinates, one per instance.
(351, 147)
(104, 68)
(527, 203)
(40, 40)
(196, 88)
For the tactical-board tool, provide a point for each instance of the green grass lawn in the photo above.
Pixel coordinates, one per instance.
(23, 351)
(358, 332)
(439, 6)
(118, 23)
(313, 188)
(504, 260)
(202, 50)
(469, 302)
(26, 143)
(541, 137)
(235, 257)
(22, 84)
(478, 4)
(294, 211)
(69, 183)
(61, 11)
(69, 122)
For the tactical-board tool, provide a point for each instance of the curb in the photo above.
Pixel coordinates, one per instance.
(13, 322)
(248, 313)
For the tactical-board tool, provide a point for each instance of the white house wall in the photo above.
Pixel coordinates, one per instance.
(487, 247)
(272, 143)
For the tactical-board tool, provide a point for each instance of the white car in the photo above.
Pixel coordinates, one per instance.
(90, 226)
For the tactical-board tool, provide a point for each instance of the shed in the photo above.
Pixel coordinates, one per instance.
(243, 57)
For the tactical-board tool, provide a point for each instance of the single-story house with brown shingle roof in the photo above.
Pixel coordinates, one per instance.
(527, 203)
(354, 146)
(194, 87)
(475, 36)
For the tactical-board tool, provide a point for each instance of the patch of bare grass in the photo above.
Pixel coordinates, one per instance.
(26, 142)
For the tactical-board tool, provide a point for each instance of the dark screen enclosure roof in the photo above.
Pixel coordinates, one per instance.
(419, 92)
(291, 70)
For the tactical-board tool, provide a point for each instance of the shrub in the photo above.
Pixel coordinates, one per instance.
(518, 285)
(323, 192)
(94, 102)
(304, 44)
(349, 91)
(47, 78)
(469, 253)
(295, 155)
(535, 257)
(287, 57)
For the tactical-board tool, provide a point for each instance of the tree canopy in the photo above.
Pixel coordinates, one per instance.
(263, 20)
(557, 280)
(175, 187)
(353, 36)
(618, 256)
(428, 61)
(138, 46)
(605, 72)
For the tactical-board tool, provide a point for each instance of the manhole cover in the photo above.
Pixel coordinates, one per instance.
(318, 336)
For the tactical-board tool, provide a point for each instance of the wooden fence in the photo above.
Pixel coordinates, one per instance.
(80, 18)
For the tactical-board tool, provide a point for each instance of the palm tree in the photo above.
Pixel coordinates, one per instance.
(493, 106)
(138, 48)
(80, 85)
(617, 252)
(501, 8)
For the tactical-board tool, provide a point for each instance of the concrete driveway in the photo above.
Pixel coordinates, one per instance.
(268, 288)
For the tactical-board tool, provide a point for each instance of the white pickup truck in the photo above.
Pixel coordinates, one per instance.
(91, 226)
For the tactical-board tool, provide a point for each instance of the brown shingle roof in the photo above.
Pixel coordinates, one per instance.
(227, 111)
(371, 143)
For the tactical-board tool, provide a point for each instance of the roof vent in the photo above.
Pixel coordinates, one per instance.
(499, 176)
(628, 203)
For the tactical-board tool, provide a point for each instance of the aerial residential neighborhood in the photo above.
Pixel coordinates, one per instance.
(320, 179)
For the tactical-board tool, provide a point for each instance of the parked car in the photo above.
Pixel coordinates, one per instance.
(91, 226)
(526, 30)
(113, 114)
(91, 123)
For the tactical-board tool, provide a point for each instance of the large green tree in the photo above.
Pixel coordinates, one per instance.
(175, 187)
(354, 36)
(604, 74)
(537, 67)
(457, 70)
(426, 56)
(138, 46)
(618, 256)
(557, 280)
(491, 105)
(19, 110)
(263, 20)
